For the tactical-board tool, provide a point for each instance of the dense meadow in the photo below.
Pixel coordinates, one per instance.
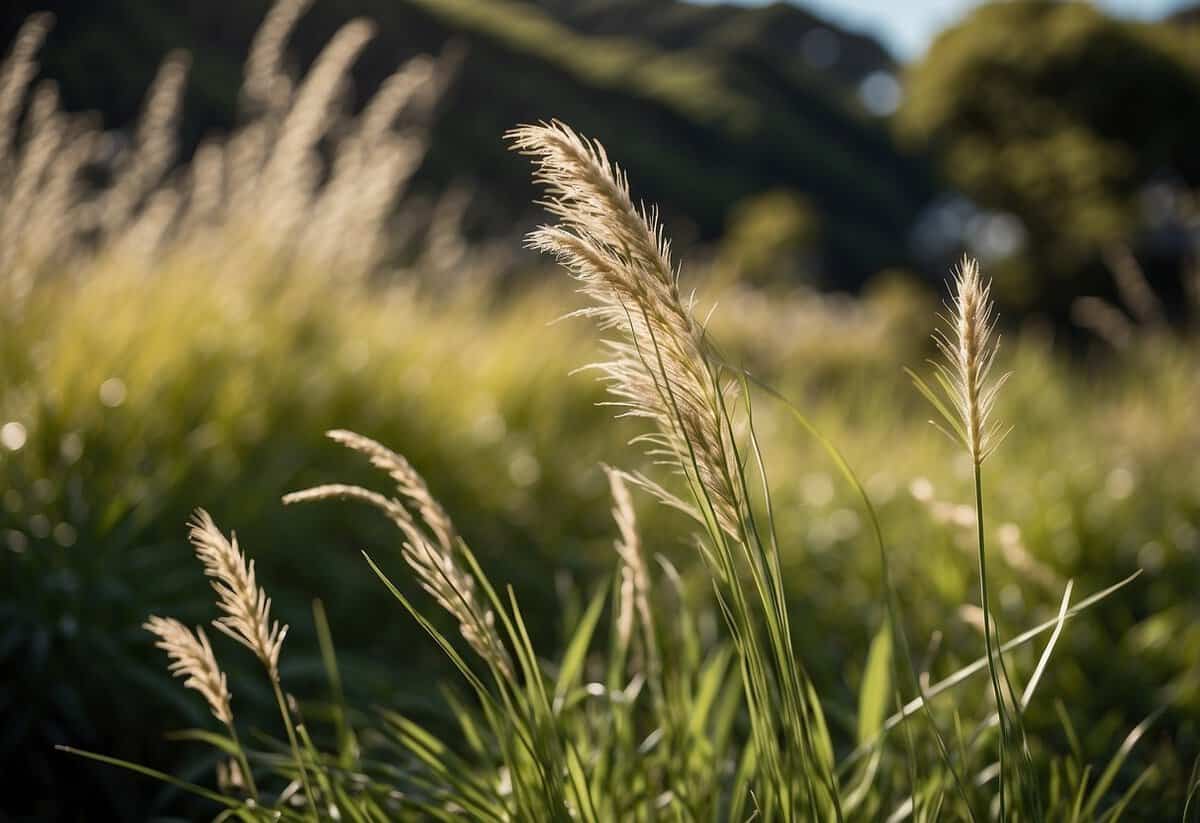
(140, 398)
(193, 350)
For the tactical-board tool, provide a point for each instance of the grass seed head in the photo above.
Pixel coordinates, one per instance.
(431, 548)
(247, 608)
(968, 344)
(192, 657)
(661, 369)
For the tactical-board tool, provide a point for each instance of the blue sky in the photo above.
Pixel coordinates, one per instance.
(907, 26)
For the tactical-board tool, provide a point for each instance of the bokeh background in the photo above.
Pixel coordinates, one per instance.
(207, 261)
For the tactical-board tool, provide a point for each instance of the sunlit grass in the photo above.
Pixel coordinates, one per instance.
(192, 393)
(837, 580)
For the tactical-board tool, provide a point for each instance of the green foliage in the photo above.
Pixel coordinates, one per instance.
(713, 105)
(768, 239)
(201, 386)
(219, 381)
(138, 385)
(1058, 114)
(211, 392)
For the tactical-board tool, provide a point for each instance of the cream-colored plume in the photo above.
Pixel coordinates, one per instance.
(431, 542)
(620, 257)
(634, 607)
(192, 657)
(968, 344)
(247, 608)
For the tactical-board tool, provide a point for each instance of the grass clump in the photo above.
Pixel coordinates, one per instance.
(656, 717)
(164, 344)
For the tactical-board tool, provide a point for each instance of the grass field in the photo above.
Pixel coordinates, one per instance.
(140, 399)
(197, 361)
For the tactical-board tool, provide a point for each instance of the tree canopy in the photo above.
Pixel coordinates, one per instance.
(1061, 116)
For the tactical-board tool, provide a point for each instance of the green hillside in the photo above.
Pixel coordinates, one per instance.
(706, 104)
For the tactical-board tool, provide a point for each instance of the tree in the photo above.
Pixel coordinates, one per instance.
(1060, 115)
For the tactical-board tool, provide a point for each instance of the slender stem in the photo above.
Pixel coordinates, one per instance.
(291, 733)
(890, 599)
(987, 631)
(243, 762)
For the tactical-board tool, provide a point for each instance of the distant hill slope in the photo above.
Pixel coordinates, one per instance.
(774, 32)
(704, 105)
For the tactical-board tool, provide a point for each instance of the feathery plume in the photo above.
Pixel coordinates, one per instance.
(288, 174)
(247, 608)
(409, 483)
(295, 179)
(431, 547)
(267, 88)
(344, 491)
(1104, 320)
(1136, 292)
(192, 657)
(16, 72)
(413, 84)
(635, 578)
(968, 345)
(629, 544)
(45, 129)
(156, 139)
(620, 257)
(206, 185)
(440, 574)
(56, 211)
(155, 145)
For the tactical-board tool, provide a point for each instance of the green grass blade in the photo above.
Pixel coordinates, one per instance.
(1110, 772)
(217, 741)
(980, 664)
(1193, 789)
(347, 745)
(1121, 805)
(875, 691)
(191, 788)
(571, 667)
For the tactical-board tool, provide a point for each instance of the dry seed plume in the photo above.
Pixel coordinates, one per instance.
(192, 657)
(635, 578)
(247, 608)
(968, 344)
(267, 87)
(301, 179)
(1104, 320)
(635, 581)
(409, 483)
(154, 148)
(16, 72)
(618, 253)
(431, 542)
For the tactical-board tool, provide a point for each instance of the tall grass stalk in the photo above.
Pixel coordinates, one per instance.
(247, 617)
(645, 722)
(665, 370)
(192, 657)
(968, 346)
(897, 636)
(299, 183)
